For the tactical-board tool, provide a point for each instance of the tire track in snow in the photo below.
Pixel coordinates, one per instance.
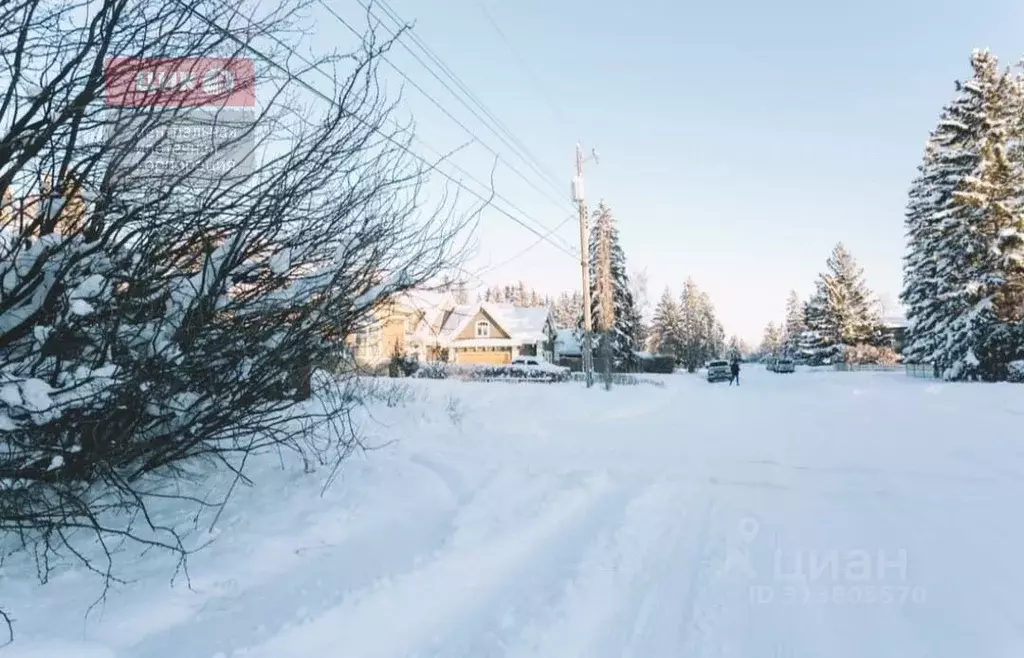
(665, 615)
(495, 622)
(284, 576)
(610, 595)
(464, 582)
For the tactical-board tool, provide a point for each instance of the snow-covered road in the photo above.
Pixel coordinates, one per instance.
(798, 516)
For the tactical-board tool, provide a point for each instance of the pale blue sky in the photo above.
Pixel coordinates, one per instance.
(739, 140)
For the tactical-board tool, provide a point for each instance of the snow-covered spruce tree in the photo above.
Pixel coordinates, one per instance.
(641, 306)
(734, 349)
(620, 329)
(962, 274)
(921, 286)
(771, 341)
(568, 309)
(842, 311)
(667, 326)
(816, 345)
(155, 325)
(702, 336)
(987, 217)
(796, 324)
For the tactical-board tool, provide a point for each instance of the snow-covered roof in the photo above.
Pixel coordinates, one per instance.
(894, 321)
(567, 343)
(521, 324)
(431, 303)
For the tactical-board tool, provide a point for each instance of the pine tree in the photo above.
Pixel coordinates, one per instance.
(568, 310)
(988, 211)
(520, 296)
(734, 350)
(608, 268)
(701, 336)
(963, 281)
(771, 342)
(795, 325)
(666, 326)
(920, 294)
(641, 305)
(842, 310)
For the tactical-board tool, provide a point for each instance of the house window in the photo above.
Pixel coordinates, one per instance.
(368, 342)
(483, 329)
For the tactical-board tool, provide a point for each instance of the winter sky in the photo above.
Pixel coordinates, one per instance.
(739, 140)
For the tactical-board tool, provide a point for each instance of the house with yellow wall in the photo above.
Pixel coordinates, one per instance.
(485, 333)
(390, 324)
(432, 328)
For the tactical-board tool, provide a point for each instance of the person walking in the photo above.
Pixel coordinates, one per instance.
(734, 369)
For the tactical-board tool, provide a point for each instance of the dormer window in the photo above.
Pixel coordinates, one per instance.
(483, 329)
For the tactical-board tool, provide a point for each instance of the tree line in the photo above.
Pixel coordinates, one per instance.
(686, 327)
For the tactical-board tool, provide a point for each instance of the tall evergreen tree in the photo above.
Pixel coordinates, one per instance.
(771, 342)
(796, 323)
(734, 350)
(568, 309)
(666, 326)
(920, 295)
(842, 310)
(702, 336)
(608, 267)
(989, 215)
(963, 279)
(641, 306)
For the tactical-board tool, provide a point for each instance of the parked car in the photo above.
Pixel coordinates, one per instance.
(718, 371)
(785, 365)
(769, 364)
(541, 368)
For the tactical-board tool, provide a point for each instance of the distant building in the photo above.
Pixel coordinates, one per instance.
(431, 327)
(894, 332)
(569, 348)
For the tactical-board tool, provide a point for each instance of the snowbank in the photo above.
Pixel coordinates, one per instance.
(825, 514)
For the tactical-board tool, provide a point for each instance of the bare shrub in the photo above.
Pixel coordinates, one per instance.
(150, 321)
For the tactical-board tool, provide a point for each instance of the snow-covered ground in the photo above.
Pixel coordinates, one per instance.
(808, 515)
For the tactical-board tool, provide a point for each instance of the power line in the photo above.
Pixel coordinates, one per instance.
(529, 158)
(335, 104)
(441, 107)
(520, 254)
(560, 116)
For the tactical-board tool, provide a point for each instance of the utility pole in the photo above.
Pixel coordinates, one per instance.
(577, 193)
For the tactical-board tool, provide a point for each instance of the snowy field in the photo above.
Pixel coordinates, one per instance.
(812, 515)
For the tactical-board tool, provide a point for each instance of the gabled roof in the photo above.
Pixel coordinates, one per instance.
(521, 324)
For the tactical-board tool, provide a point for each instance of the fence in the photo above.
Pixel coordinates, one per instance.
(871, 367)
(922, 370)
(618, 378)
